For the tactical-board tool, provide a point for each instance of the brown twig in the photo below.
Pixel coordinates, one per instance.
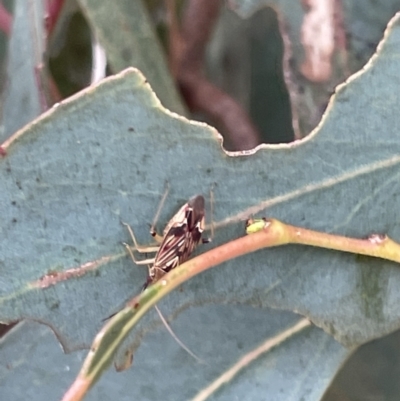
(6, 20)
(317, 38)
(340, 36)
(175, 41)
(53, 9)
(187, 48)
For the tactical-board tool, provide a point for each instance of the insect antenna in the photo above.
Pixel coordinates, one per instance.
(153, 231)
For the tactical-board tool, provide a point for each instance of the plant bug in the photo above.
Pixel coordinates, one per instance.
(180, 237)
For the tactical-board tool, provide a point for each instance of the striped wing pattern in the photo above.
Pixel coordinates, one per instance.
(181, 236)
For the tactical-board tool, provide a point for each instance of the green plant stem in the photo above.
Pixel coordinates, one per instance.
(266, 233)
(378, 246)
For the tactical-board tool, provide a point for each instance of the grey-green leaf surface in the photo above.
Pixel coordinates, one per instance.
(21, 92)
(104, 156)
(307, 360)
(124, 29)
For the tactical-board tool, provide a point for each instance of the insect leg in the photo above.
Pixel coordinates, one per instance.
(139, 248)
(175, 337)
(138, 262)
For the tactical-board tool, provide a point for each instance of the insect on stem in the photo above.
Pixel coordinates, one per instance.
(180, 237)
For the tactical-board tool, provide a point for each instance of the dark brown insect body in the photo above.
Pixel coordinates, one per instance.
(181, 235)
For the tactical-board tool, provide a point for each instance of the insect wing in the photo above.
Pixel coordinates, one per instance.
(181, 236)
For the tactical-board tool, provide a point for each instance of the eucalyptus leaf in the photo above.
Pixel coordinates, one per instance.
(21, 97)
(306, 360)
(103, 156)
(124, 29)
